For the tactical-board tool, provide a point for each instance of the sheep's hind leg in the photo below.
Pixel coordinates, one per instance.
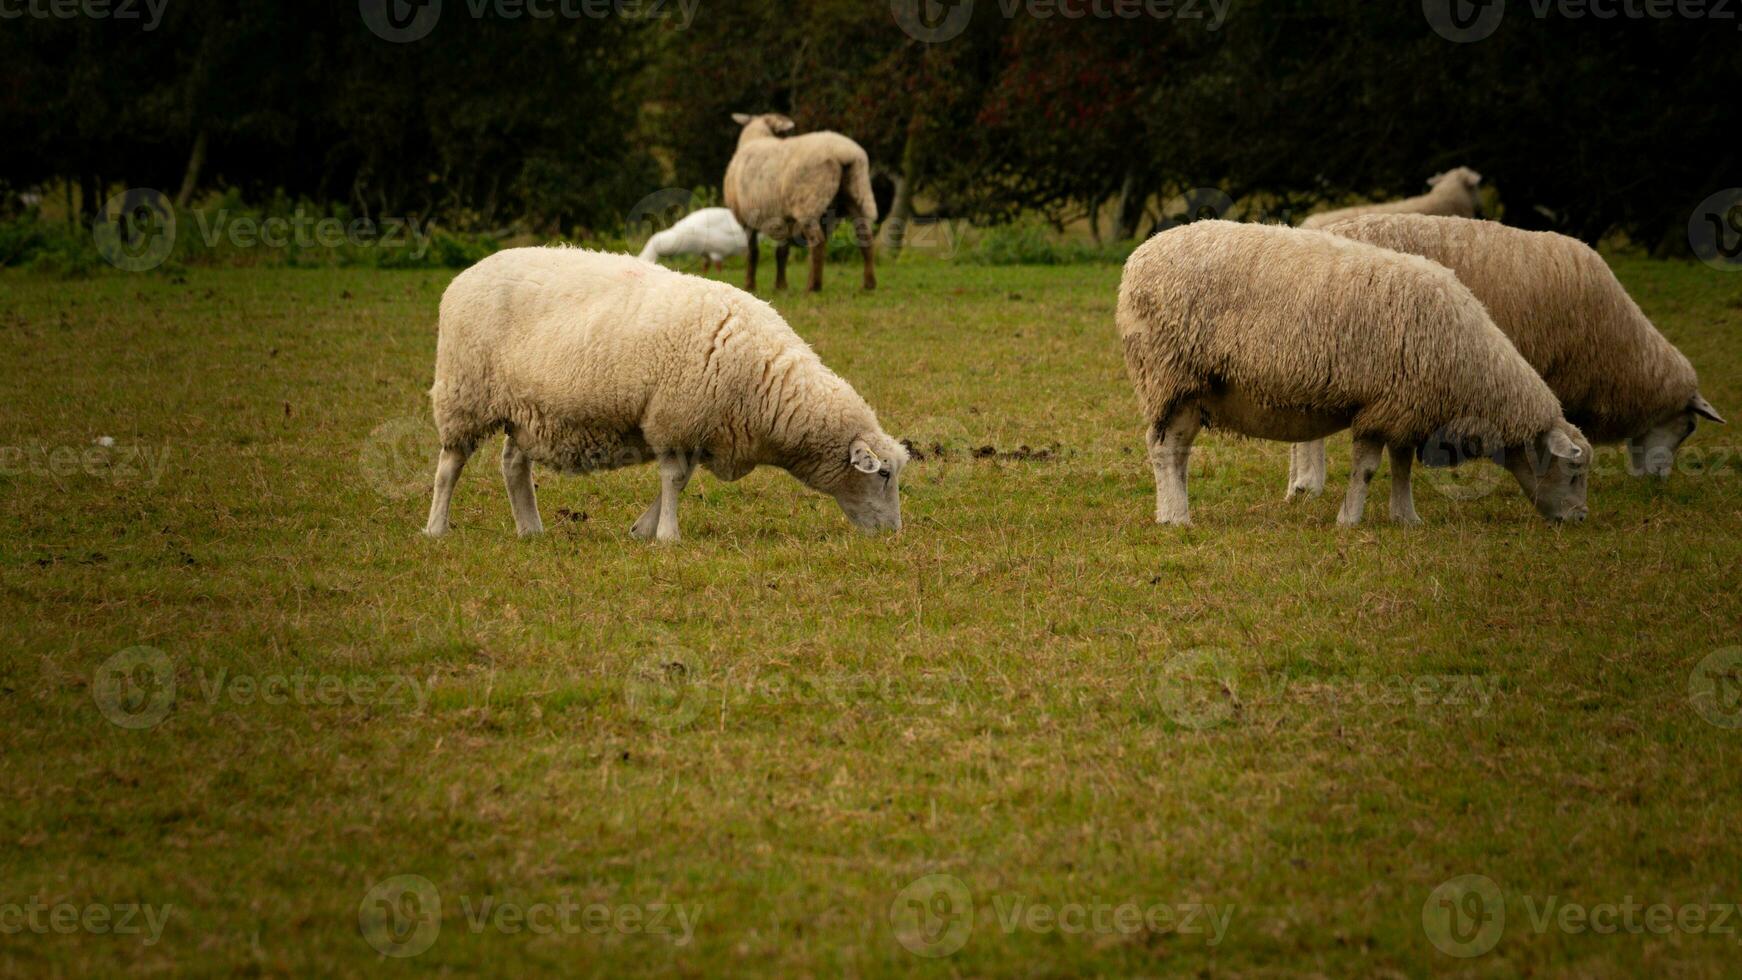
(675, 469)
(453, 459)
(522, 498)
(816, 241)
(1170, 450)
(781, 252)
(1306, 469)
(1363, 464)
(867, 249)
(1402, 496)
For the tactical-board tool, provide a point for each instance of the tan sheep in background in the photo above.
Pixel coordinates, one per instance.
(1453, 193)
(797, 187)
(1278, 332)
(1618, 379)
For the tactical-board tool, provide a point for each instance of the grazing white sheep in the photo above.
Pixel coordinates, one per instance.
(1452, 193)
(711, 233)
(590, 361)
(1618, 379)
(1286, 334)
(796, 188)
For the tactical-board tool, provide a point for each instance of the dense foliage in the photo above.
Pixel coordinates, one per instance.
(562, 123)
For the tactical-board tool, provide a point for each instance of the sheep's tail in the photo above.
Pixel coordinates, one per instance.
(856, 185)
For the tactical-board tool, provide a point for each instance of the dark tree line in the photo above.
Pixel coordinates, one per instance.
(1586, 125)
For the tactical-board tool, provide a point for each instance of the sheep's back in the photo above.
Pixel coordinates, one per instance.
(1308, 321)
(1563, 309)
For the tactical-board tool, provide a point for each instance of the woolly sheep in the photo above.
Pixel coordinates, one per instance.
(711, 233)
(592, 361)
(1286, 334)
(1618, 379)
(796, 188)
(1453, 193)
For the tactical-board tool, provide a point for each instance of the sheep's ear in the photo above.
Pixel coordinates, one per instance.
(781, 124)
(1562, 446)
(864, 460)
(1699, 406)
(742, 118)
(1431, 181)
(1474, 178)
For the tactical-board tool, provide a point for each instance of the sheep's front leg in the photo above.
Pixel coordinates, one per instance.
(1363, 464)
(522, 498)
(1306, 469)
(447, 474)
(781, 252)
(675, 469)
(1402, 495)
(750, 262)
(1170, 450)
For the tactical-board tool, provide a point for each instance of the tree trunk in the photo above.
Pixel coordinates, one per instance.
(191, 177)
(1132, 199)
(901, 209)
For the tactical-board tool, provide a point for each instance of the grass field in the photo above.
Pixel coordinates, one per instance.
(1033, 733)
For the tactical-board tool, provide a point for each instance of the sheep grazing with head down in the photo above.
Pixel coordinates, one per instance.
(711, 233)
(1286, 334)
(1451, 193)
(592, 361)
(797, 187)
(1618, 379)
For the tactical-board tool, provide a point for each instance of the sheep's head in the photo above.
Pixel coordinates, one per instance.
(1653, 452)
(775, 123)
(867, 484)
(1552, 469)
(1464, 179)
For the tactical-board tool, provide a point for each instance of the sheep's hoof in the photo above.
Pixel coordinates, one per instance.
(643, 529)
(1174, 521)
(1301, 490)
(1406, 520)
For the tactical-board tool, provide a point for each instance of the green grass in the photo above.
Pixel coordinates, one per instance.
(782, 723)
